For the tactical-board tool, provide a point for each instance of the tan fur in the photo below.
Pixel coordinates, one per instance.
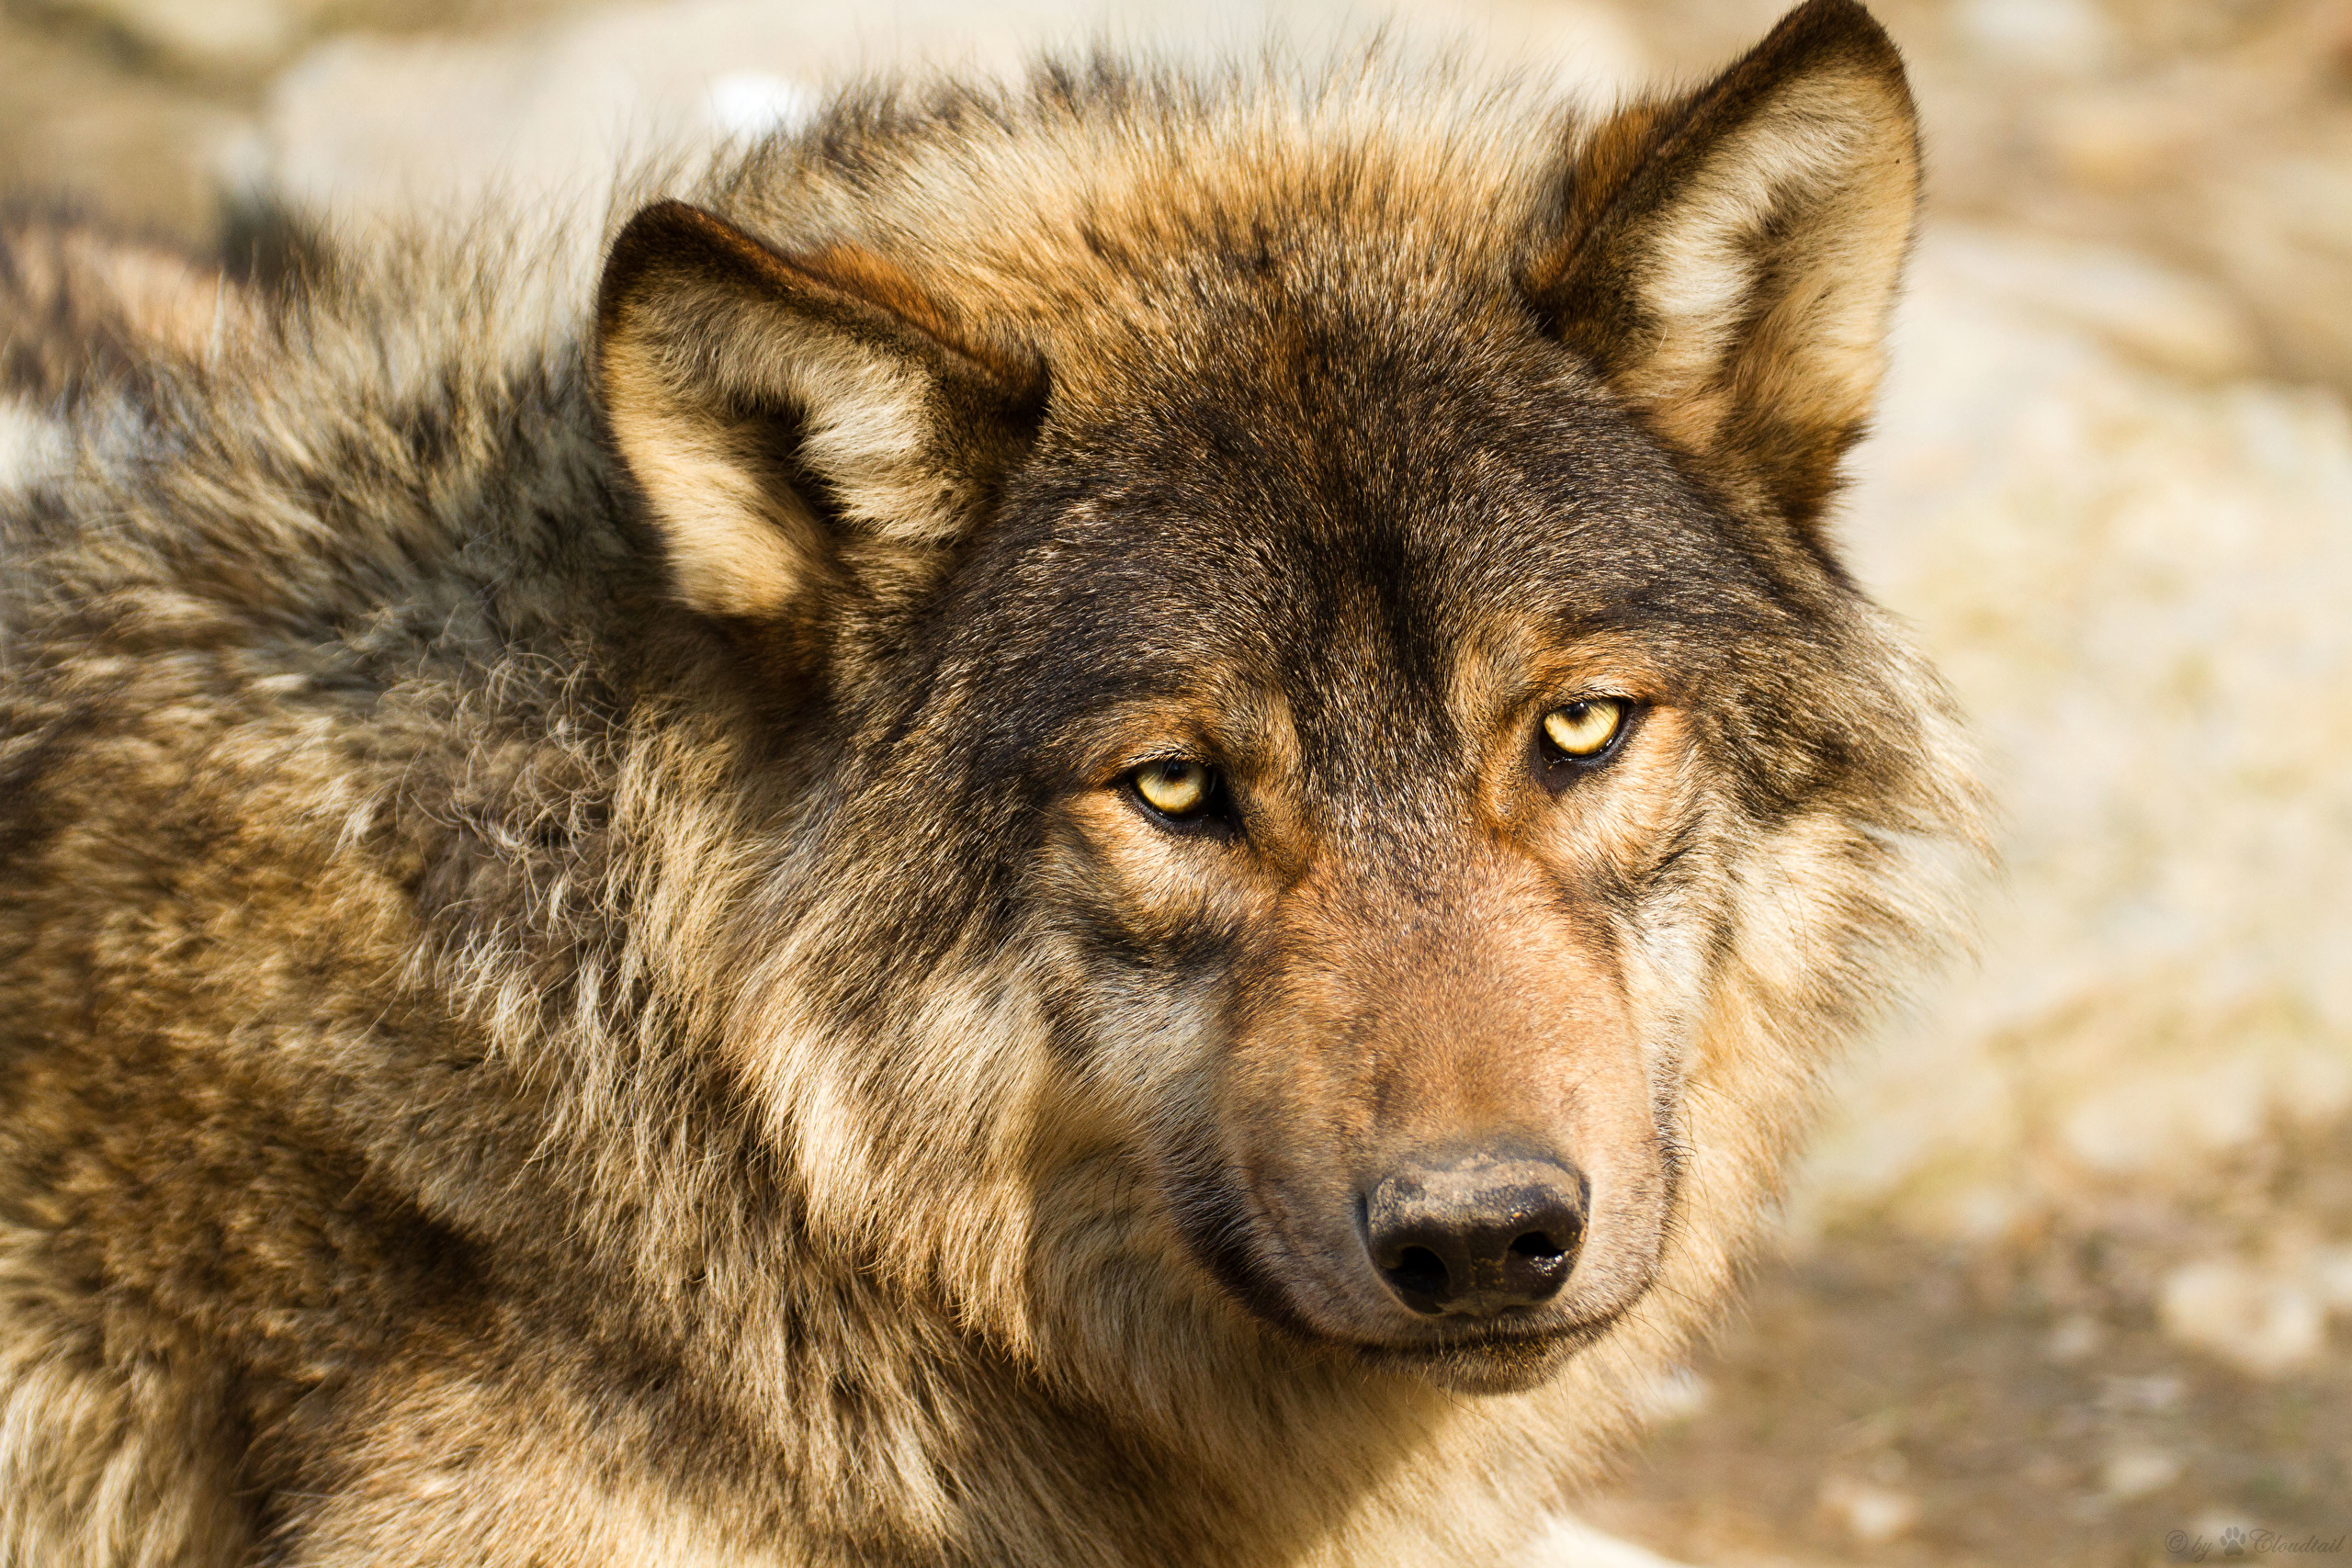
(556, 1007)
(77, 305)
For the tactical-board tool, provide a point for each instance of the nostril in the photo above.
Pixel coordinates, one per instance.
(1538, 1247)
(1420, 1274)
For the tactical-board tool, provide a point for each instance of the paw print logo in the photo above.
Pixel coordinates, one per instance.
(2233, 1541)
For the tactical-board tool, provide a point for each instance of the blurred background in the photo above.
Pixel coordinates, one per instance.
(2068, 1279)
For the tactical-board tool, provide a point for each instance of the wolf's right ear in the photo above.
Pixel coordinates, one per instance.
(788, 418)
(1728, 259)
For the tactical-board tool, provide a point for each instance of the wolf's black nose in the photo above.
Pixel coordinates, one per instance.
(1477, 1234)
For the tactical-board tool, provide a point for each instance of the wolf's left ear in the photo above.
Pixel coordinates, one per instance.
(1728, 259)
(793, 420)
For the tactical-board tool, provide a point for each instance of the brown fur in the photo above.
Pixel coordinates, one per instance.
(81, 311)
(581, 975)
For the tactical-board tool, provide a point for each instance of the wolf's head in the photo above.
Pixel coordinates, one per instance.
(1349, 714)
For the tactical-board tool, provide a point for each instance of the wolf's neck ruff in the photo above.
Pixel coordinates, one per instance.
(1123, 783)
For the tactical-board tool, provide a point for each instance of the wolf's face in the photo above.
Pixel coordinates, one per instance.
(1372, 679)
(1373, 729)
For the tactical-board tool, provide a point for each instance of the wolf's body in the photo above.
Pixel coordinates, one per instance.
(583, 975)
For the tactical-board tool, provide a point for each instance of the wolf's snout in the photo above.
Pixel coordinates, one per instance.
(1477, 1236)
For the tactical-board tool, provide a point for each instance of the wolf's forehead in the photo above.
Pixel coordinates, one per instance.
(1306, 468)
(1359, 631)
(1268, 318)
(1329, 497)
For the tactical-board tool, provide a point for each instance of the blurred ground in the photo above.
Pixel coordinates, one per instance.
(1890, 1400)
(2072, 1268)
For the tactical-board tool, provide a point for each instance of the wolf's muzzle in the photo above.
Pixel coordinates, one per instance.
(1476, 1235)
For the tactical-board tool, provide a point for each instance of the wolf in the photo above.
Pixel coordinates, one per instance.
(1117, 820)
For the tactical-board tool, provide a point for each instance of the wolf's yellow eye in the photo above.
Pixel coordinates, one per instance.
(1583, 730)
(1174, 788)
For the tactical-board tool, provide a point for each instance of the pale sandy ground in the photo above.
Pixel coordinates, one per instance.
(2071, 1269)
